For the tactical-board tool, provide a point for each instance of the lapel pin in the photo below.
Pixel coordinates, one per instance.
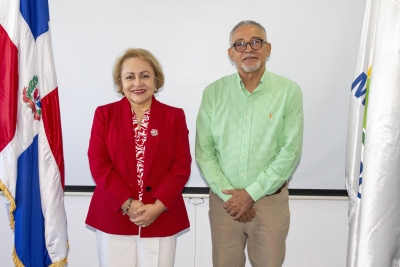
(154, 132)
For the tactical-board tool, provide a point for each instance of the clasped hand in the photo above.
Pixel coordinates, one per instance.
(240, 205)
(143, 215)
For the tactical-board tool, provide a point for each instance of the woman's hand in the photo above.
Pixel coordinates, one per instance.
(146, 214)
(132, 208)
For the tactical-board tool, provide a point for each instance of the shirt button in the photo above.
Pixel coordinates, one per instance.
(247, 117)
(148, 189)
(242, 174)
(245, 135)
(244, 155)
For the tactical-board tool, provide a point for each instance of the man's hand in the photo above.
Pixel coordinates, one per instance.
(240, 203)
(248, 216)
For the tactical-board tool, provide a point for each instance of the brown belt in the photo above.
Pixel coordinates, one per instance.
(280, 188)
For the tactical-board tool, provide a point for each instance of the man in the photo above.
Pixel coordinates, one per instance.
(248, 144)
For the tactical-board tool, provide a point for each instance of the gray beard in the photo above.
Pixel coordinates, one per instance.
(253, 68)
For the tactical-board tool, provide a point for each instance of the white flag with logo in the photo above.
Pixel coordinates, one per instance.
(373, 141)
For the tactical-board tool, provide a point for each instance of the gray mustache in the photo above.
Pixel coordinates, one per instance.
(249, 55)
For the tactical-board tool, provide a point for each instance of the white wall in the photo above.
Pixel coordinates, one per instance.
(317, 235)
(314, 43)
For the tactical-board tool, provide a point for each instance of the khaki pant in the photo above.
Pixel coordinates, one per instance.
(265, 234)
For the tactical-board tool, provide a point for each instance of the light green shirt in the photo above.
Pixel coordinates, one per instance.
(249, 140)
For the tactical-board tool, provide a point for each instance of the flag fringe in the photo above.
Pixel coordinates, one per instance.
(18, 263)
(60, 263)
(11, 200)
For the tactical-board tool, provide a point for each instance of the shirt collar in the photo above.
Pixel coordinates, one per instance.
(263, 81)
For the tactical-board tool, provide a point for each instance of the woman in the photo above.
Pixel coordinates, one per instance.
(139, 158)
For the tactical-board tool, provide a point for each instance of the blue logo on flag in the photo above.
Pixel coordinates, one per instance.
(361, 80)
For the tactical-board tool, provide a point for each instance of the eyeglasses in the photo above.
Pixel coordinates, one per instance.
(254, 44)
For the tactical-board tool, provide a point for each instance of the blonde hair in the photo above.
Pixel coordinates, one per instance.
(146, 56)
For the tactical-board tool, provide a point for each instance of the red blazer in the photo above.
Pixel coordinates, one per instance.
(112, 163)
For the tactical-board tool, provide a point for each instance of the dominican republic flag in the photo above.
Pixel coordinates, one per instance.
(373, 141)
(31, 153)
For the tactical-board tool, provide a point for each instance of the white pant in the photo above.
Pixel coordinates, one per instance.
(134, 251)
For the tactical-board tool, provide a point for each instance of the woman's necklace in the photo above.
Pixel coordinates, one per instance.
(139, 121)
